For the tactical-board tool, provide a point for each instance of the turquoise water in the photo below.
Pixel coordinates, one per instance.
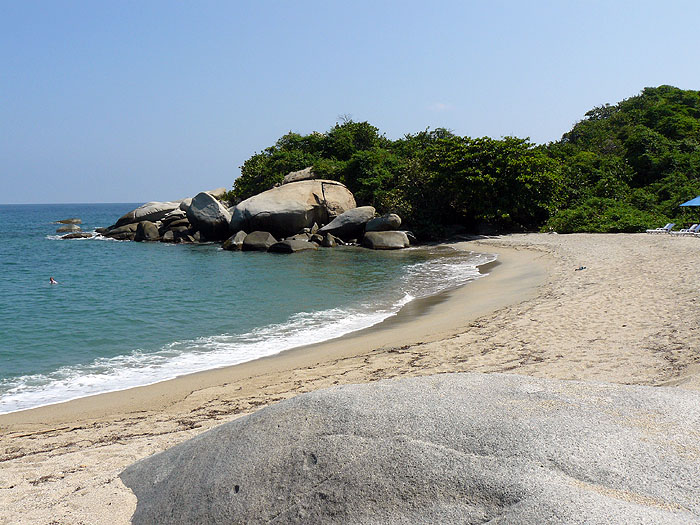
(126, 314)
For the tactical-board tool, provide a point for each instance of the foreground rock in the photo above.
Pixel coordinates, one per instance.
(451, 448)
(292, 246)
(288, 209)
(209, 216)
(350, 224)
(258, 242)
(385, 240)
(151, 211)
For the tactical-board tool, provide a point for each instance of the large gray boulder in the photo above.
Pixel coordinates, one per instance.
(296, 176)
(151, 211)
(292, 246)
(350, 224)
(388, 222)
(288, 209)
(451, 448)
(207, 215)
(385, 240)
(258, 242)
(146, 231)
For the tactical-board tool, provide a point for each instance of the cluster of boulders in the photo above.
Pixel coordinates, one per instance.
(303, 213)
(72, 226)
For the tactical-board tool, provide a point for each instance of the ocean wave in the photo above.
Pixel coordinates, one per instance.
(140, 368)
(95, 237)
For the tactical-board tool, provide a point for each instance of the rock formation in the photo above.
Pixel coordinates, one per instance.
(288, 209)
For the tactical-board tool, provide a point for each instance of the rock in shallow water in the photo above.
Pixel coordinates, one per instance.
(258, 241)
(385, 240)
(292, 246)
(68, 228)
(452, 448)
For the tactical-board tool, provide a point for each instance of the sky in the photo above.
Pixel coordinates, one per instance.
(126, 101)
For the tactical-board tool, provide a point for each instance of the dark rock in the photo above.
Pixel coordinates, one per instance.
(209, 216)
(388, 222)
(449, 448)
(68, 228)
(101, 230)
(174, 216)
(77, 235)
(179, 229)
(258, 241)
(180, 222)
(292, 246)
(349, 224)
(411, 237)
(299, 237)
(318, 239)
(127, 228)
(296, 176)
(146, 231)
(235, 242)
(122, 236)
(330, 241)
(69, 221)
(288, 209)
(385, 240)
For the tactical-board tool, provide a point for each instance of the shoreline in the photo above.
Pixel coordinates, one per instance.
(421, 320)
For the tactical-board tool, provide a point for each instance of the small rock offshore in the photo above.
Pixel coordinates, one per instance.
(303, 213)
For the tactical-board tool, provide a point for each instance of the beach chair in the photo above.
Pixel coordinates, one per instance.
(665, 229)
(687, 231)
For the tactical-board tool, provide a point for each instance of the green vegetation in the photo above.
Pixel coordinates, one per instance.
(623, 168)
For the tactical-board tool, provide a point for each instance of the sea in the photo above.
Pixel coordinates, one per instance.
(127, 314)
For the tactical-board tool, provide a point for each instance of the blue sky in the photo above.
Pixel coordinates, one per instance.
(134, 101)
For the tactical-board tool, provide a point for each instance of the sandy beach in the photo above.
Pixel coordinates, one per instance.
(631, 317)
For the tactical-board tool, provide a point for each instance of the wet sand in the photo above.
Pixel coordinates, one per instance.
(630, 317)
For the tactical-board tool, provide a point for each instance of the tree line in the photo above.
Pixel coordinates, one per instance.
(622, 168)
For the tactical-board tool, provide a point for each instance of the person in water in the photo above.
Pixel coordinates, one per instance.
(52, 280)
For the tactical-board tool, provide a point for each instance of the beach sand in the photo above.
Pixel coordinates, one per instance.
(630, 317)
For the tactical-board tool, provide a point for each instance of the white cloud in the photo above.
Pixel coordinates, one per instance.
(440, 106)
